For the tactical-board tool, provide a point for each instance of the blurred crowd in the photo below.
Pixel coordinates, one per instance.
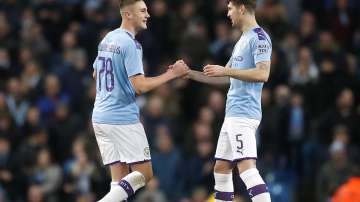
(310, 133)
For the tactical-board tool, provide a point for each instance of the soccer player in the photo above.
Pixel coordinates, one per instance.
(119, 74)
(246, 71)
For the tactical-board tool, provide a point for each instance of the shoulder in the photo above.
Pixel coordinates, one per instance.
(110, 35)
(259, 35)
(118, 37)
(260, 41)
(127, 42)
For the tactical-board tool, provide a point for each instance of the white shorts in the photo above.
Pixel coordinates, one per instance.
(122, 143)
(237, 139)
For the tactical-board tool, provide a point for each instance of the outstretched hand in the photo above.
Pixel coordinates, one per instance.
(179, 69)
(214, 70)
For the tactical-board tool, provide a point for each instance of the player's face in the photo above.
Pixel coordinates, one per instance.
(234, 13)
(140, 15)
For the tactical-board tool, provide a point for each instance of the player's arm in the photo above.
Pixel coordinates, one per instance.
(144, 84)
(201, 77)
(261, 51)
(258, 74)
(94, 74)
(134, 68)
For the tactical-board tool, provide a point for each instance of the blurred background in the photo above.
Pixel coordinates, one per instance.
(308, 141)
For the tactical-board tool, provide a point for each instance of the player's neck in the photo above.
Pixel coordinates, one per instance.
(128, 27)
(249, 23)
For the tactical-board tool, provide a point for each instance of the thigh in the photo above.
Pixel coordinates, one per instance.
(132, 143)
(223, 148)
(242, 138)
(106, 143)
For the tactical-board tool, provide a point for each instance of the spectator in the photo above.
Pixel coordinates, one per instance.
(305, 70)
(333, 173)
(47, 175)
(17, 105)
(167, 162)
(154, 116)
(342, 18)
(33, 120)
(31, 78)
(81, 174)
(53, 96)
(221, 47)
(63, 131)
(307, 29)
(342, 114)
(327, 47)
(199, 167)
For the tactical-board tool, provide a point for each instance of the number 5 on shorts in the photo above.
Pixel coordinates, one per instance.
(240, 147)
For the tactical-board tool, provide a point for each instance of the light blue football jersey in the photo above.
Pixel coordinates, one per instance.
(244, 98)
(119, 57)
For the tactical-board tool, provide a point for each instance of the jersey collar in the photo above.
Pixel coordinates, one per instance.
(252, 29)
(128, 32)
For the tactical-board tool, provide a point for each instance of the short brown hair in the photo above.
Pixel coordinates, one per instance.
(249, 4)
(123, 3)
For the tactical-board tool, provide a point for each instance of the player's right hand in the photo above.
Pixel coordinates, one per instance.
(179, 69)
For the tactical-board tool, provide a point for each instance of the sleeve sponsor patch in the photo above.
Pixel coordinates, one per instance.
(262, 48)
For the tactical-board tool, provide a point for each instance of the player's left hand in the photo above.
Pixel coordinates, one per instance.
(214, 70)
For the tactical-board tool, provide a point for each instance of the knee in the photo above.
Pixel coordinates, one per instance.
(246, 165)
(223, 167)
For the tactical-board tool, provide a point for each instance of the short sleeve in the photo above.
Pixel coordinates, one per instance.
(94, 64)
(261, 50)
(133, 59)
